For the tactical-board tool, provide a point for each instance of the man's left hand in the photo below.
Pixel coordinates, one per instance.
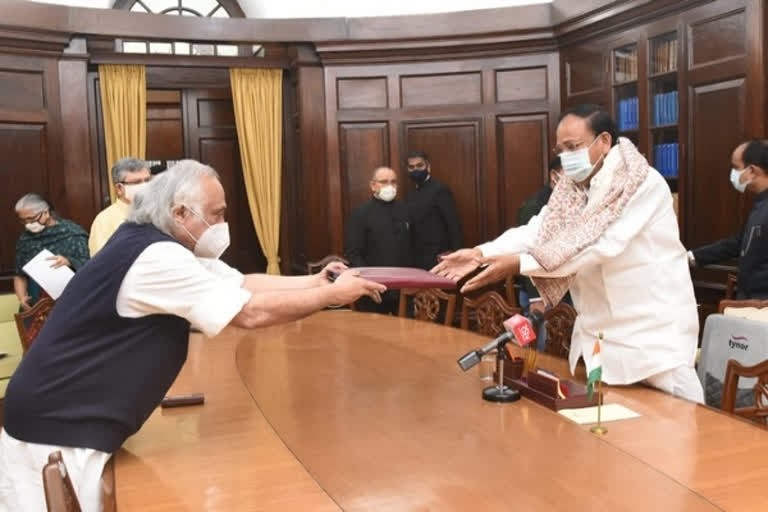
(335, 267)
(499, 267)
(58, 261)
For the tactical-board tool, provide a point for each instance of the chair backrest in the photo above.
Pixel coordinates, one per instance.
(59, 494)
(740, 304)
(428, 304)
(486, 313)
(559, 324)
(730, 286)
(510, 290)
(30, 322)
(313, 267)
(757, 412)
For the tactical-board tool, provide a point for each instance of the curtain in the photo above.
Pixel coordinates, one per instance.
(124, 103)
(257, 95)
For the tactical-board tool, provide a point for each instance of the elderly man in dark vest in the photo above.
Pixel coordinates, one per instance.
(117, 337)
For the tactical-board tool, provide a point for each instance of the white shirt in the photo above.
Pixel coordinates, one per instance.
(167, 278)
(632, 284)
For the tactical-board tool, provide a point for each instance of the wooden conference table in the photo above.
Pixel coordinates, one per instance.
(352, 411)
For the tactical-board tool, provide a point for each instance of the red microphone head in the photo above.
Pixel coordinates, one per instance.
(522, 328)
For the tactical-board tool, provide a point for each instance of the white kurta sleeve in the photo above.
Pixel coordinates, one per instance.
(649, 199)
(514, 240)
(167, 278)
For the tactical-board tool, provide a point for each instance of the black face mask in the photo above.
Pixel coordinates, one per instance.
(418, 175)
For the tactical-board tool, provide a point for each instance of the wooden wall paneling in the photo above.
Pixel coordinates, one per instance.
(455, 150)
(98, 153)
(362, 147)
(313, 166)
(756, 42)
(441, 89)
(211, 137)
(362, 93)
(291, 224)
(30, 142)
(165, 127)
(83, 202)
(585, 73)
(523, 160)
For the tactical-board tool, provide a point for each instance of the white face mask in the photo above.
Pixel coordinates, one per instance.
(34, 227)
(735, 180)
(387, 193)
(214, 240)
(576, 164)
(130, 190)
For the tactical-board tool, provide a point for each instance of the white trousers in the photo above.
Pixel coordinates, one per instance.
(682, 381)
(21, 474)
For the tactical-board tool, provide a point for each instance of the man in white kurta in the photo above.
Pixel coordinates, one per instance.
(631, 283)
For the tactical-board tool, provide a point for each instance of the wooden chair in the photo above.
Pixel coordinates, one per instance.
(734, 370)
(490, 310)
(510, 289)
(730, 286)
(753, 303)
(30, 322)
(59, 494)
(313, 267)
(559, 324)
(427, 304)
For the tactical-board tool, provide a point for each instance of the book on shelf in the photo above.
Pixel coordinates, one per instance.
(665, 109)
(666, 159)
(629, 117)
(665, 56)
(626, 65)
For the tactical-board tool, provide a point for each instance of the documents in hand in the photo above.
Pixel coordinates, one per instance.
(396, 278)
(611, 412)
(52, 280)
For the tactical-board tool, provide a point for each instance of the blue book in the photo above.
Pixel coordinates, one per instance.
(657, 158)
(675, 103)
(675, 159)
(621, 115)
(656, 108)
(635, 116)
(670, 159)
(665, 108)
(665, 159)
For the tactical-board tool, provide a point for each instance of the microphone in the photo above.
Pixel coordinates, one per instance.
(518, 329)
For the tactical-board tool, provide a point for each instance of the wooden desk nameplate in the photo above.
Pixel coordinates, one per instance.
(543, 390)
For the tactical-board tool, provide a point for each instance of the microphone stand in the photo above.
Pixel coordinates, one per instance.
(501, 393)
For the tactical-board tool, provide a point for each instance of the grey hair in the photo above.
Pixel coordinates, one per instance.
(34, 202)
(181, 184)
(376, 171)
(125, 166)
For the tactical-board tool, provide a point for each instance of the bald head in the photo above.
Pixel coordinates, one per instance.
(737, 157)
(383, 177)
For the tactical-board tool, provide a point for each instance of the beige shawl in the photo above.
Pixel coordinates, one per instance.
(568, 226)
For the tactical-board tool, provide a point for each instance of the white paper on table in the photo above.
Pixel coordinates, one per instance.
(610, 412)
(52, 280)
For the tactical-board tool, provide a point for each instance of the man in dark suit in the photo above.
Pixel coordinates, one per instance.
(750, 245)
(378, 235)
(436, 226)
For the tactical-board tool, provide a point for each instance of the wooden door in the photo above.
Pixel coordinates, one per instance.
(210, 136)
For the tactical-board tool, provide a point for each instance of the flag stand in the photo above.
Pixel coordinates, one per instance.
(599, 429)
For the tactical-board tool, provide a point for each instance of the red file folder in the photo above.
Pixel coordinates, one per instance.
(395, 278)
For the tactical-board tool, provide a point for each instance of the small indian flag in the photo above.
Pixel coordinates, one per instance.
(596, 373)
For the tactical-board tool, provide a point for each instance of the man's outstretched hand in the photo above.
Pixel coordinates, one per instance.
(498, 268)
(458, 264)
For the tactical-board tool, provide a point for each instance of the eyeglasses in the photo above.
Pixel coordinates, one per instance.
(30, 220)
(573, 146)
(385, 182)
(139, 182)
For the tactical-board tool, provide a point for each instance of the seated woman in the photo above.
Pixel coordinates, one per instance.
(45, 230)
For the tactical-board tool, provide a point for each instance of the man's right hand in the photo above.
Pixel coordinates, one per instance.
(349, 287)
(25, 303)
(458, 264)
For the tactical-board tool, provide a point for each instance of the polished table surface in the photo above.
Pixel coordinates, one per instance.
(357, 411)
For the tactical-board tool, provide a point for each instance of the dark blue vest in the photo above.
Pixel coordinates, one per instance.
(92, 377)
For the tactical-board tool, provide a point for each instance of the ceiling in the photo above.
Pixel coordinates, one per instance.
(334, 8)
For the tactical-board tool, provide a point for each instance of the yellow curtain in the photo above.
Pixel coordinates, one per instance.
(124, 103)
(257, 95)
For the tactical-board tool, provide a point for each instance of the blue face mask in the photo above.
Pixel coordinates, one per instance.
(418, 175)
